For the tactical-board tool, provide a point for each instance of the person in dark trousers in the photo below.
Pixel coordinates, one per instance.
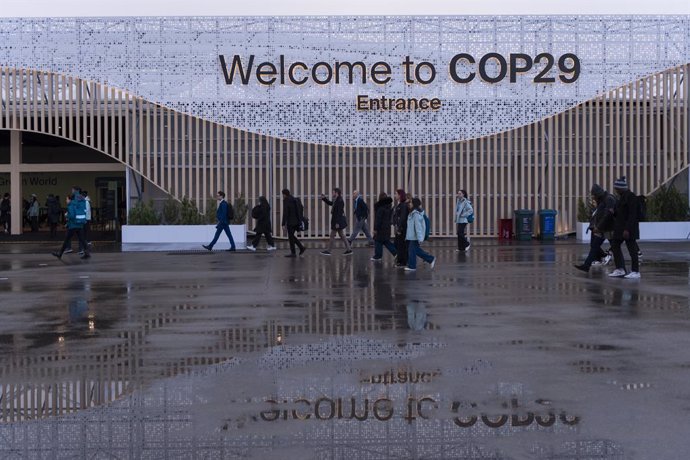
(54, 211)
(383, 215)
(5, 213)
(223, 222)
(262, 213)
(338, 222)
(626, 228)
(87, 226)
(400, 225)
(361, 213)
(416, 230)
(76, 217)
(291, 222)
(463, 209)
(600, 224)
(32, 213)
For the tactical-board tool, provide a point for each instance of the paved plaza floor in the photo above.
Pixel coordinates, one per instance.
(503, 352)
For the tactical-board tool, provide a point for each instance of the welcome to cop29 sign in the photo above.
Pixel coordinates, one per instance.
(463, 68)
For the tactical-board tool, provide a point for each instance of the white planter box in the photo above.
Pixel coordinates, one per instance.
(178, 237)
(649, 231)
(582, 233)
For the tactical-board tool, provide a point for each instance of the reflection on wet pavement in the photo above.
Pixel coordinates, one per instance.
(503, 352)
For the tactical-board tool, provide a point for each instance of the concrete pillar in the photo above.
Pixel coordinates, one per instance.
(16, 182)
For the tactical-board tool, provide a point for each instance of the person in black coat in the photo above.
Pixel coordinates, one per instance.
(383, 215)
(601, 225)
(338, 221)
(626, 227)
(400, 223)
(262, 214)
(291, 222)
(54, 212)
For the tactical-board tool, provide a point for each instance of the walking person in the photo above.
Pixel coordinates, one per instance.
(626, 228)
(383, 215)
(54, 211)
(338, 221)
(87, 226)
(76, 218)
(416, 232)
(262, 213)
(400, 226)
(463, 209)
(291, 222)
(361, 213)
(6, 213)
(600, 224)
(223, 215)
(32, 212)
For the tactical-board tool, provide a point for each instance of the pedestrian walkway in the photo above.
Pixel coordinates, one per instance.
(505, 351)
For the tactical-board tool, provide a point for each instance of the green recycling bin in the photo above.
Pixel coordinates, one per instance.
(523, 224)
(547, 224)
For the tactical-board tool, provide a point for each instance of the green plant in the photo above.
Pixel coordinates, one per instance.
(240, 207)
(144, 214)
(189, 213)
(584, 210)
(211, 208)
(171, 211)
(667, 205)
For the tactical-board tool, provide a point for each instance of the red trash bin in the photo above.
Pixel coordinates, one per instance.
(505, 229)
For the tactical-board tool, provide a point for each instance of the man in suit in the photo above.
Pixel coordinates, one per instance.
(361, 213)
(291, 222)
(223, 225)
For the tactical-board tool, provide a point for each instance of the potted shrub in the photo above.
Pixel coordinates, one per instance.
(584, 212)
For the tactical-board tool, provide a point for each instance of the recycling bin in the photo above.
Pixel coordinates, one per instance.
(547, 224)
(523, 224)
(505, 229)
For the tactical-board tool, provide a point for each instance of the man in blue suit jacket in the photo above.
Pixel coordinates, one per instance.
(223, 223)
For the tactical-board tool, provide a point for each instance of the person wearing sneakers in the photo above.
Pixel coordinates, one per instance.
(262, 213)
(361, 213)
(601, 223)
(338, 222)
(416, 232)
(463, 209)
(626, 228)
(383, 213)
(291, 222)
(223, 216)
(76, 218)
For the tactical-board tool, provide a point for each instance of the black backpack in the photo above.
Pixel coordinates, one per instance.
(231, 213)
(303, 220)
(641, 202)
(256, 211)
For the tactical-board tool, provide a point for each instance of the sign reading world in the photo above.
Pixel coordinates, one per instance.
(357, 80)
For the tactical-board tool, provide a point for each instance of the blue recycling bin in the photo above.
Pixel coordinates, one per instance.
(547, 224)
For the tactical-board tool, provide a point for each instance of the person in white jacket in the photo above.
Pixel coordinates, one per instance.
(463, 209)
(416, 231)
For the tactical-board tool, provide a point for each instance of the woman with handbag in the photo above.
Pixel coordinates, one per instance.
(464, 213)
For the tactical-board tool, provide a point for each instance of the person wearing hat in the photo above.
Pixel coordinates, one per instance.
(601, 224)
(626, 227)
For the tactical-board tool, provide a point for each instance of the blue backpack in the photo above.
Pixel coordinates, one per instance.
(427, 227)
(80, 211)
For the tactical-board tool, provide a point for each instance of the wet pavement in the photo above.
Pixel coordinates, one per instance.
(505, 351)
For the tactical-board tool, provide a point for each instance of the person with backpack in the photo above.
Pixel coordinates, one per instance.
(383, 213)
(292, 222)
(76, 218)
(6, 213)
(54, 211)
(400, 213)
(338, 222)
(463, 211)
(361, 213)
(262, 214)
(601, 224)
(224, 214)
(626, 228)
(417, 232)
